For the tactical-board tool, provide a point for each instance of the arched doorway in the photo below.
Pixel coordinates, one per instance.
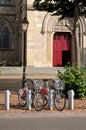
(61, 48)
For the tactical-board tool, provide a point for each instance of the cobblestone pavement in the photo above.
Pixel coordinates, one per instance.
(13, 83)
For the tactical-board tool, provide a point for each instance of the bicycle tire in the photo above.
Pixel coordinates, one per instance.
(22, 101)
(60, 101)
(38, 101)
(45, 100)
(28, 83)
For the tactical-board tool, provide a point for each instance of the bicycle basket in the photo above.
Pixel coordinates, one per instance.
(59, 85)
(38, 84)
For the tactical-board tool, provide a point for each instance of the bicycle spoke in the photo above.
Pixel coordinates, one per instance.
(38, 101)
(60, 101)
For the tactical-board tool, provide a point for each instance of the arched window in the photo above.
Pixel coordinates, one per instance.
(0, 38)
(5, 2)
(4, 38)
(2, 1)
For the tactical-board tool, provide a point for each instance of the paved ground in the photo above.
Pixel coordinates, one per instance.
(41, 122)
(41, 114)
(13, 83)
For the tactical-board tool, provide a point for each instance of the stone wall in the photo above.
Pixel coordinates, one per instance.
(11, 17)
(8, 56)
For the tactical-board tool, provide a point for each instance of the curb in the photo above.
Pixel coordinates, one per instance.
(42, 115)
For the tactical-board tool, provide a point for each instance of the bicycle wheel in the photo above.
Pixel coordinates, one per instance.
(44, 92)
(22, 98)
(60, 101)
(45, 100)
(28, 83)
(22, 101)
(38, 101)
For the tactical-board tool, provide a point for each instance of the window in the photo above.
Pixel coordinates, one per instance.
(5, 2)
(2, 1)
(0, 39)
(4, 38)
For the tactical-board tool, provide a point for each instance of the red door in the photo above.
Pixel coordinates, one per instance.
(61, 49)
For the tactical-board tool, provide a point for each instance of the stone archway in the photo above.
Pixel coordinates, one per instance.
(51, 24)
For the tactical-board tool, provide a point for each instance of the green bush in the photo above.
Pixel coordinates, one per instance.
(74, 79)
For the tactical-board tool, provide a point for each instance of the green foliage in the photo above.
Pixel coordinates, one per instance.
(64, 8)
(74, 79)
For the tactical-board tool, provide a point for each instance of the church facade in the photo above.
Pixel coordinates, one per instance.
(49, 43)
(10, 32)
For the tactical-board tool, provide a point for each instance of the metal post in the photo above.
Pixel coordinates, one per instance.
(71, 99)
(7, 102)
(24, 60)
(25, 24)
(50, 99)
(29, 100)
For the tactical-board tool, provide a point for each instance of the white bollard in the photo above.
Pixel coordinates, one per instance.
(71, 99)
(50, 99)
(29, 100)
(7, 102)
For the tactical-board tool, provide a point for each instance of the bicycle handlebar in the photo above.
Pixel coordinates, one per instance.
(52, 80)
(33, 81)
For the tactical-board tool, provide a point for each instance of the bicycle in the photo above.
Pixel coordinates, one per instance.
(36, 96)
(59, 99)
(58, 95)
(44, 91)
(41, 88)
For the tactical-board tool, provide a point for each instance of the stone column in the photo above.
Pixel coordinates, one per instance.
(73, 58)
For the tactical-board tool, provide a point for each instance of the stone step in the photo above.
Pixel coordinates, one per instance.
(29, 70)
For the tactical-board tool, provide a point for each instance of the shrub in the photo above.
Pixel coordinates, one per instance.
(74, 79)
